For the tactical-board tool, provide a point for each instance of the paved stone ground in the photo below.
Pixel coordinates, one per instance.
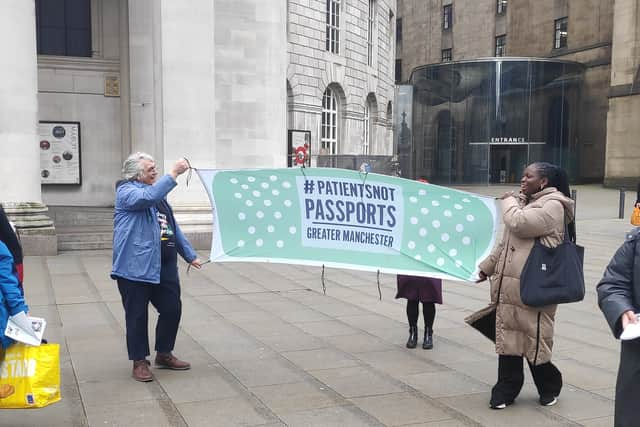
(268, 348)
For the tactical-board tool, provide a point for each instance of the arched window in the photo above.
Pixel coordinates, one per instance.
(329, 131)
(370, 113)
(367, 128)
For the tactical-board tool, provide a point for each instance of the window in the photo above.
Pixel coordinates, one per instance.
(502, 7)
(447, 17)
(64, 27)
(333, 26)
(560, 34)
(367, 128)
(329, 136)
(447, 55)
(399, 30)
(398, 70)
(501, 45)
(370, 34)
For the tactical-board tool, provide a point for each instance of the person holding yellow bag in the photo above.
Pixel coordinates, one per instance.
(11, 303)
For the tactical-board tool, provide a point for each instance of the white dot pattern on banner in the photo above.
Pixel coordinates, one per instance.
(244, 186)
(292, 230)
(275, 192)
(233, 181)
(277, 215)
(413, 199)
(267, 203)
(417, 257)
(238, 196)
(259, 242)
(273, 178)
(271, 228)
(260, 214)
(240, 243)
(440, 224)
(251, 179)
(286, 184)
(279, 243)
(256, 193)
(251, 230)
(242, 216)
(287, 203)
(248, 203)
(264, 185)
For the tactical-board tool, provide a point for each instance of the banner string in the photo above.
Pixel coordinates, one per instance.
(324, 288)
(379, 290)
(191, 169)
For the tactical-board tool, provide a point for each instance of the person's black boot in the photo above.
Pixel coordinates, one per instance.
(412, 342)
(427, 344)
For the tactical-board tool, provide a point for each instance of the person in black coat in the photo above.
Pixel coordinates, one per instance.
(619, 300)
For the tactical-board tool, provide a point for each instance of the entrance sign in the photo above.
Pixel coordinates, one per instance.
(346, 219)
(59, 152)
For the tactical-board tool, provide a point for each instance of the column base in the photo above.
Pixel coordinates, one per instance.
(36, 230)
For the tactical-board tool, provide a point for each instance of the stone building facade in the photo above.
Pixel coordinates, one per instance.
(218, 82)
(358, 73)
(623, 126)
(575, 30)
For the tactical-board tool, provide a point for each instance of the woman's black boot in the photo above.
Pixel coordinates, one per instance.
(427, 344)
(412, 342)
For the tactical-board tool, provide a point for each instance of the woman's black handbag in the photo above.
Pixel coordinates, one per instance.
(553, 275)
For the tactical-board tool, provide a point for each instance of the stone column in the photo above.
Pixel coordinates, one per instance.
(20, 161)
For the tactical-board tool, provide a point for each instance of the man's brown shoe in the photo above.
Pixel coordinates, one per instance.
(141, 371)
(169, 361)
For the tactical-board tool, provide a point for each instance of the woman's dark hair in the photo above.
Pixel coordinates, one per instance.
(9, 237)
(558, 178)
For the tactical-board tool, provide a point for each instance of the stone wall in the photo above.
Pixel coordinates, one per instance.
(311, 69)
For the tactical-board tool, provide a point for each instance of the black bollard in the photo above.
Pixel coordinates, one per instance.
(621, 205)
(574, 196)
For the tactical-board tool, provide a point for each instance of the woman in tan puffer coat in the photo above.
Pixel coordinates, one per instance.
(540, 210)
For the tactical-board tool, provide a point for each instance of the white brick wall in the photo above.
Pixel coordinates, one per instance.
(311, 69)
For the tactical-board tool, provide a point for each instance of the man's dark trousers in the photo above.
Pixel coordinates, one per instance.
(165, 297)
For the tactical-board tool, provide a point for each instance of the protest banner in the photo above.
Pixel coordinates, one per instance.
(347, 219)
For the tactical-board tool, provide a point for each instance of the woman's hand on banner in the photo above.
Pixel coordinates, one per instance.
(481, 277)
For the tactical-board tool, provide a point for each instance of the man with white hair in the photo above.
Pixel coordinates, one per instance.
(146, 243)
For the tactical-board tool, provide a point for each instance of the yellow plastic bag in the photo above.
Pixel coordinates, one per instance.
(30, 376)
(635, 217)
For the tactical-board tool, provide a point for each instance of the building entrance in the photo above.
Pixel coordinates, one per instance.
(506, 163)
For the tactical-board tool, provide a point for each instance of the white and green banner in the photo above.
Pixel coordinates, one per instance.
(346, 219)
